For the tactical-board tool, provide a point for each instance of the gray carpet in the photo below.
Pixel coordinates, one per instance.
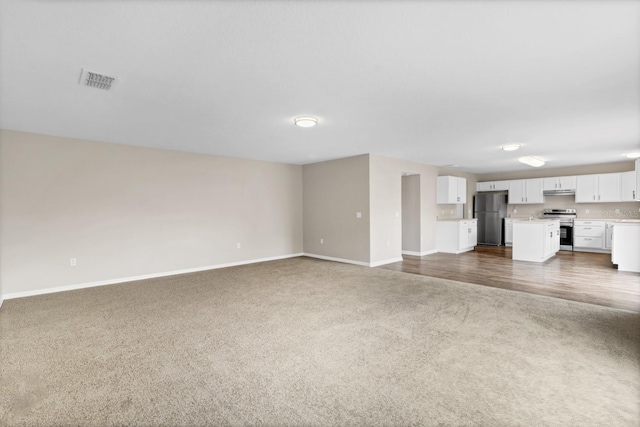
(309, 342)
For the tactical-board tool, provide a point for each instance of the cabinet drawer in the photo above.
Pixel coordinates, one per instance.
(588, 242)
(588, 223)
(587, 231)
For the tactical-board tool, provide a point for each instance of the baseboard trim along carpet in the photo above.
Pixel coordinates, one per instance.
(423, 253)
(140, 277)
(351, 261)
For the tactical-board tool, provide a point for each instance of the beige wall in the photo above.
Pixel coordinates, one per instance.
(333, 191)
(411, 213)
(125, 211)
(386, 230)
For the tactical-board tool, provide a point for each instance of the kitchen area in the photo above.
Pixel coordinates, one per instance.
(537, 217)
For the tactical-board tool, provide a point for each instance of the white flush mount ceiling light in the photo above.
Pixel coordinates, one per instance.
(633, 155)
(305, 121)
(510, 147)
(531, 161)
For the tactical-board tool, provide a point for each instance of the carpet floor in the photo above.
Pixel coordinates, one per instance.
(309, 342)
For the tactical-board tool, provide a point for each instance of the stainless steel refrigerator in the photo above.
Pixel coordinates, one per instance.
(490, 209)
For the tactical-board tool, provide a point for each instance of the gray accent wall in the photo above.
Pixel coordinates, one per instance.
(333, 192)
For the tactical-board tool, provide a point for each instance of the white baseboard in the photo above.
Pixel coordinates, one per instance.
(330, 258)
(350, 261)
(141, 277)
(423, 253)
(385, 261)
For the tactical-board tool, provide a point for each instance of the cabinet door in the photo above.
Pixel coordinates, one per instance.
(463, 237)
(548, 240)
(628, 185)
(533, 191)
(516, 192)
(501, 186)
(567, 183)
(447, 191)
(586, 188)
(461, 190)
(556, 238)
(637, 179)
(484, 186)
(609, 187)
(508, 233)
(550, 184)
(473, 235)
(608, 235)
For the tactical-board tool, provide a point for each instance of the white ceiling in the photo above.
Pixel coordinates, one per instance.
(438, 82)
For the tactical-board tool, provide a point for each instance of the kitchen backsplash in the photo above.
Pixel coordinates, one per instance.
(621, 210)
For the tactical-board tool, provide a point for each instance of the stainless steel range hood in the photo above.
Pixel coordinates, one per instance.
(559, 192)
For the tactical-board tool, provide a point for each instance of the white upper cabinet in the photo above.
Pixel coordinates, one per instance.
(560, 183)
(629, 186)
(451, 190)
(526, 191)
(492, 186)
(605, 187)
(637, 179)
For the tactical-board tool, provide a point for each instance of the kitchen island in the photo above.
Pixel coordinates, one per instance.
(535, 240)
(625, 245)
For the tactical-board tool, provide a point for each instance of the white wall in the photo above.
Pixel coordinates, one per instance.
(125, 211)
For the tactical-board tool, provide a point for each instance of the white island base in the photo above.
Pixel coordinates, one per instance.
(536, 240)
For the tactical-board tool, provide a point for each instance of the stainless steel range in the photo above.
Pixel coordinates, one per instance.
(566, 217)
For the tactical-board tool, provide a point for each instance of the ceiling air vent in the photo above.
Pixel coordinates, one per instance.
(97, 80)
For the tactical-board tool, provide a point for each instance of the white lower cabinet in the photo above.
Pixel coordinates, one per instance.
(457, 236)
(535, 241)
(590, 236)
(626, 246)
(508, 232)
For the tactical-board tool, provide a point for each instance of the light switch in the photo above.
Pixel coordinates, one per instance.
(358, 214)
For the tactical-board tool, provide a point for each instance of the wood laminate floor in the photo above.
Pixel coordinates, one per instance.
(577, 276)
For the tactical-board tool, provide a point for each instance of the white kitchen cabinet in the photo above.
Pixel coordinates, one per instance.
(526, 191)
(629, 186)
(451, 190)
(456, 236)
(625, 246)
(492, 186)
(508, 232)
(637, 179)
(589, 236)
(599, 188)
(559, 183)
(608, 234)
(536, 240)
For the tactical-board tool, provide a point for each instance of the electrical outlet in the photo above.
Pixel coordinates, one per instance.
(388, 242)
(238, 245)
(397, 214)
(73, 262)
(322, 241)
(358, 214)
(586, 211)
